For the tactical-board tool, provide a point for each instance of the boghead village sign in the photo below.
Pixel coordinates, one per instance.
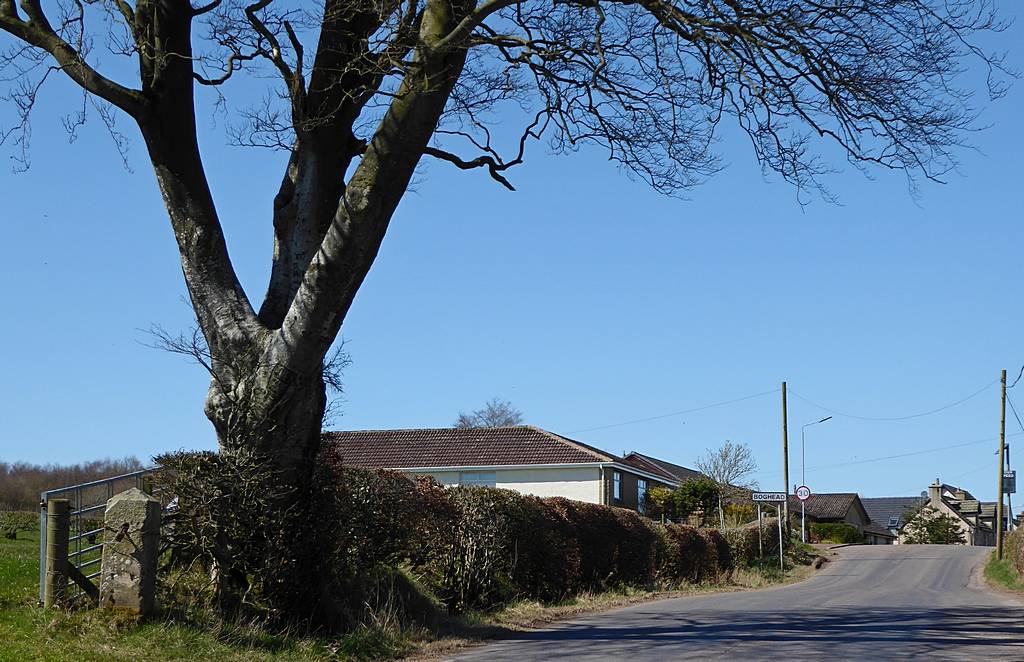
(770, 497)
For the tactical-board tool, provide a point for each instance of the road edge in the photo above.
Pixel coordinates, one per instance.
(436, 651)
(978, 580)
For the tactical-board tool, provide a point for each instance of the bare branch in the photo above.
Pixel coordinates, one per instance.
(493, 167)
(192, 345)
(38, 32)
(206, 9)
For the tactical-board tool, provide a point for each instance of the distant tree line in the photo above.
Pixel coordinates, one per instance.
(21, 482)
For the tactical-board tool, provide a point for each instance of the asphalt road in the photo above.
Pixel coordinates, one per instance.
(881, 602)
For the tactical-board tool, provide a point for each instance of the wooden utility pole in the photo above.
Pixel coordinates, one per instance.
(785, 451)
(1002, 454)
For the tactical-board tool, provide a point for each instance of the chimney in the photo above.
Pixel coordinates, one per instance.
(935, 492)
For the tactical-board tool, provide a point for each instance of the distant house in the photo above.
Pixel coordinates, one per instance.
(975, 518)
(876, 534)
(890, 513)
(523, 458)
(833, 508)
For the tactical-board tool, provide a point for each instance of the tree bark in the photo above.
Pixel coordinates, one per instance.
(270, 409)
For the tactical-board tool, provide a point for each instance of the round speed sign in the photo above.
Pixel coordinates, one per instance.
(803, 493)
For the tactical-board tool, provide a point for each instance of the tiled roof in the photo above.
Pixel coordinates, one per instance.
(880, 509)
(826, 506)
(460, 447)
(656, 466)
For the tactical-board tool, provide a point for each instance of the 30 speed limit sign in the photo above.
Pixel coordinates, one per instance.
(803, 493)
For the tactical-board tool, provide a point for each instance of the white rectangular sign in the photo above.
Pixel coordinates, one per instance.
(771, 497)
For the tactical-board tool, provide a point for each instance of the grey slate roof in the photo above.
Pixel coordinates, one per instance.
(880, 509)
(826, 506)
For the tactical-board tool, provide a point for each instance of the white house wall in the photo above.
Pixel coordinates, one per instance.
(578, 483)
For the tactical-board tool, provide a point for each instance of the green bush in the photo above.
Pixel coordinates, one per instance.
(698, 496)
(840, 533)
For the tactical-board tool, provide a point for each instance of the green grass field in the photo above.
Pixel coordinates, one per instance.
(28, 632)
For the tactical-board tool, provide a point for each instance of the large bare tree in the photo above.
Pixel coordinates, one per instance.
(362, 90)
(730, 465)
(496, 413)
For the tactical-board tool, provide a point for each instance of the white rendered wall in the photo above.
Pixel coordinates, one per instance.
(579, 483)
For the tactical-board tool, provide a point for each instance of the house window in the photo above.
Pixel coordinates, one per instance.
(478, 478)
(617, 486)
(641, 495)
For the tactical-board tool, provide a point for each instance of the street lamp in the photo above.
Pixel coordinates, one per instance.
(803, 477)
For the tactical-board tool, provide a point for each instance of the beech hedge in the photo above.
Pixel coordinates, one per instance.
(1014, 549)
(472, 547)
(501, 545)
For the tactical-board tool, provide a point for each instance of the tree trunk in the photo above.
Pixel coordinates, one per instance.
(270, 410)
(272, 415)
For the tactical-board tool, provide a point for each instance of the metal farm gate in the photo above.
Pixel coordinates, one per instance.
(85, 541)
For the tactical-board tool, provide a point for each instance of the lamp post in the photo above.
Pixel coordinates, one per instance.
(803, 477)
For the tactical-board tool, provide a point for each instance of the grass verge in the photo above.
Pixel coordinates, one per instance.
(29, 633)
(1003, 575)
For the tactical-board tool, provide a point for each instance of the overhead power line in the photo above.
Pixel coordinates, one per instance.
(937, 449)
(987, 465)
(1019, 375)
(896, 418)
(1015, 415)
(676, 413)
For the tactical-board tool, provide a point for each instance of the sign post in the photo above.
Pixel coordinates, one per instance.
(803, 493)
(782, 566)
(760, 543)
(778, 498)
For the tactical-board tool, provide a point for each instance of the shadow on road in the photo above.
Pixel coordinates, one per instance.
(847, 631)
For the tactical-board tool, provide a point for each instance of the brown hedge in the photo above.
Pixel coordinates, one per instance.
(1014, 549)
(473, 547)
(744, 544)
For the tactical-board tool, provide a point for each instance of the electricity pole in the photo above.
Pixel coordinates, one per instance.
(785, 452)
(1002, 455)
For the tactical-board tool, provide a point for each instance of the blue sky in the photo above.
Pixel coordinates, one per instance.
(584, 298)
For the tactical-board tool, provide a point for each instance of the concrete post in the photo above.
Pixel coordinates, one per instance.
(130, 547)
(58, 527)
